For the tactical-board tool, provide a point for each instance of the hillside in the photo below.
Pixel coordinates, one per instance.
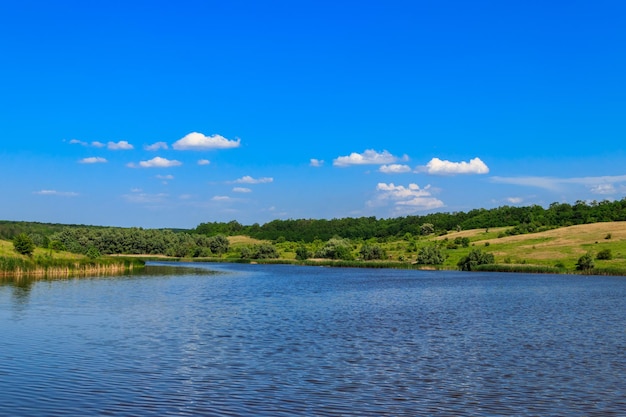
(565, 244)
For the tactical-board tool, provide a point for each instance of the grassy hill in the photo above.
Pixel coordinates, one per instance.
(564, 245)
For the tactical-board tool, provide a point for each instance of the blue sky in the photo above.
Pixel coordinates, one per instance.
(170, 114)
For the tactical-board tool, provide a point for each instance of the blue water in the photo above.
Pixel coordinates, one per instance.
(284, 340)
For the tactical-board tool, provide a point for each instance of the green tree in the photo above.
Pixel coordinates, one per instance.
(302, 253)
(605, 254)
(23, 244)
(370, 252)
(474, 258)
(430, 255)
(93, 252)
(585, 262)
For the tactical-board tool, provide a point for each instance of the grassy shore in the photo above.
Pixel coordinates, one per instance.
(47, 263)
(551, 251)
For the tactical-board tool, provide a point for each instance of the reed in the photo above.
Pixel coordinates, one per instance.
(57, 268)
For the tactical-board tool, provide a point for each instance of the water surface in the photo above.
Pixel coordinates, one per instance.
(287, 340)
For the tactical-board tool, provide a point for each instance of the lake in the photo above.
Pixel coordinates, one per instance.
(270, 340)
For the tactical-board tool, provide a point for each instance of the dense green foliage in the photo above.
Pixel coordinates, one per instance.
(23, 244)
(430, 255)
(92, 241)
(260, 251)
(370, 252)
(336, 248)
(521, 219)
(585, 262)
(474, 258)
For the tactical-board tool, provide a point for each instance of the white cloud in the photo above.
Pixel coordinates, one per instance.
(249, 180)
(597, 185)
(198, 141)
(241, 190)
(405, 199)
(156, 162)
(437, 166)
(139, 197)
(121, 145)
(221, 198)
(603, 189)
(56, 193)
(93, 160)
(204, 162)
(316, 163)
(514, 200)
(156, 146)
(165, 177)
(369, 157)
(395, 169)
(95, 144)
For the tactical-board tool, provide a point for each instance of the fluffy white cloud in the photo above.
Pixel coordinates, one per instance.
(241, 190)
(316, 163)
(437, 166)
(198, 141)
(249, 180)
(514, 200)
(204, 162)
(57, 193)
(156, 162)
(405, 199)
(156, 146)
(395, 169)
(369, 157)
(93, 160)
(119, 146)
(97, 144)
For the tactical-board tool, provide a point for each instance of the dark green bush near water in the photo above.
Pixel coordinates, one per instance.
(585, 262)
(474, 258)
(23, 244)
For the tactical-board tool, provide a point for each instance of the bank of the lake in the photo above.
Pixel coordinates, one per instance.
(44, 267)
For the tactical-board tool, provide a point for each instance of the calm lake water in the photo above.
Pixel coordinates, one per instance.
(285, 340)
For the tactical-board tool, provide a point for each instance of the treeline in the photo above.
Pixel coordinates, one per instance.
(111, 240)
(521, 219)
(209, 239)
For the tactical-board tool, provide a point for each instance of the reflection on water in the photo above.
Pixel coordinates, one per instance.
(285, 340)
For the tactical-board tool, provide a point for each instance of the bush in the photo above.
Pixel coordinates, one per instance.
(585, 262)
(370, 252)
(430, 255)
(336, 248)
(23, 244)
(604, 254)
(474, 258)
(302, 253)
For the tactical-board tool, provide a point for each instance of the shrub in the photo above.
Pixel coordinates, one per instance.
(604, 254)
(302, 253)
(23, 244)
(585, 262)
(370, 252)
(430, 255)
(474, 258)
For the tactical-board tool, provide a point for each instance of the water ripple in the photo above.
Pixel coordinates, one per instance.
(284, 341)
